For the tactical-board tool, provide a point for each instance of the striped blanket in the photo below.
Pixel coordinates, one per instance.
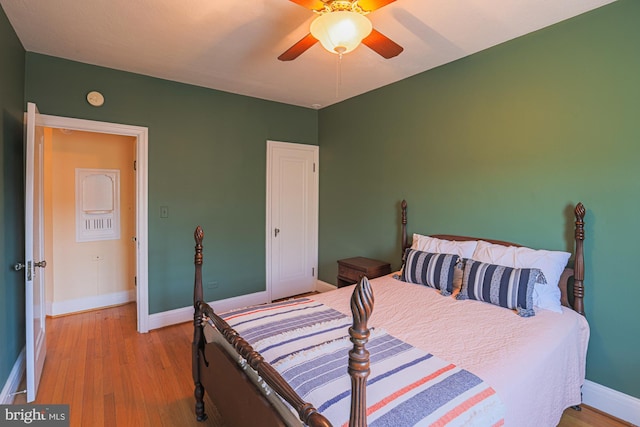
(308, 344)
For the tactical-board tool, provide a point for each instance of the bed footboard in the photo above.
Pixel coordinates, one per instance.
(212, 361)
(307, 412)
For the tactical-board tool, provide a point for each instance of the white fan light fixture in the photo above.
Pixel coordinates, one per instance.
(342, 31)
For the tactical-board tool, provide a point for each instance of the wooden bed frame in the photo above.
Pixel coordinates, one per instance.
(250, 396)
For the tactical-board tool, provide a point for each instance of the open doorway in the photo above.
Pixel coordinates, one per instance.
(132, 139)
(89, 220)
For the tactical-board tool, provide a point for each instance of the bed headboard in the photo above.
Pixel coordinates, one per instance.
(577, 272)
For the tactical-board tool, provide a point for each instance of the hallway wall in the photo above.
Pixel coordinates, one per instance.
(82, 275)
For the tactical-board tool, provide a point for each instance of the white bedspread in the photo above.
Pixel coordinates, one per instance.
(535, 364)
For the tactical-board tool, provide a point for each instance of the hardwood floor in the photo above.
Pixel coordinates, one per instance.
(112, 376)
(590, 417)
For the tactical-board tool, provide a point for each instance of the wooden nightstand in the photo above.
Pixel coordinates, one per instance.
(350, 270)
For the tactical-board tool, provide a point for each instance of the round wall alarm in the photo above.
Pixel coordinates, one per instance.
(95, 98)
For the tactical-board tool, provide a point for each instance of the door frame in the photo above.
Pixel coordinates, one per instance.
(271, 146)
(142, 200)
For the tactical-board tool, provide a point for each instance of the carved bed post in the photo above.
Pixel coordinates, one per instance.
(197, 288)
(361, 308)
(198, 339)
(403, 229)
(578, 276)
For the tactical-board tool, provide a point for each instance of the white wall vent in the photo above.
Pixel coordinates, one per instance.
(97, 204)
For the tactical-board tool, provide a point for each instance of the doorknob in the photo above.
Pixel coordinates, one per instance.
(19, 266)
(276, 232)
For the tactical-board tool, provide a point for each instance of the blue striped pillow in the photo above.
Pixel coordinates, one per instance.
(499, 285)
(433, 270)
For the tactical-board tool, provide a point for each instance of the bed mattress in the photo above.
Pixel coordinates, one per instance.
(535, 364)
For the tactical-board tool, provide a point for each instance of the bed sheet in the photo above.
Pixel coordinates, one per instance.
(535, 364)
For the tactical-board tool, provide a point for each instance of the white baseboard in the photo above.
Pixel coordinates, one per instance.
(13, 382)
(90, 303)
(324, 286)
(185, 314)
(612, 402)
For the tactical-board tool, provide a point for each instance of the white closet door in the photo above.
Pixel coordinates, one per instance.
(292, 218)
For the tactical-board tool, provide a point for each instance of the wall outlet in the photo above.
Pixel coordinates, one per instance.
(164, 211)
(212, 285)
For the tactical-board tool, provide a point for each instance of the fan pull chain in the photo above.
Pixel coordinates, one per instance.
(338, 75)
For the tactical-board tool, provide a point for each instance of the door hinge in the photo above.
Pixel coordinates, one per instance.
(135, 165)
(29, 277)
(313, 272)
(314, 167)
(135, 280)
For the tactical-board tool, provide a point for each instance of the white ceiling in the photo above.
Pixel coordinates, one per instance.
(233, 45)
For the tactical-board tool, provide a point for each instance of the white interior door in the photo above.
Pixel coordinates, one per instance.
(292, 218)
(36, 344)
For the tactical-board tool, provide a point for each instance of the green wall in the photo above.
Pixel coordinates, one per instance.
(11, 199)
(207, 163)
(499, 144)
(502, 144)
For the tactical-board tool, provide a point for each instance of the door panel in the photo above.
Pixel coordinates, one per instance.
(36, 348)
(292, 232)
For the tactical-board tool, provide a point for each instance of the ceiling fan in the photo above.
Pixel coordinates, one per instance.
(341, 26)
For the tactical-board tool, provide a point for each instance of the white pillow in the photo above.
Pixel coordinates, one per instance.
(441, 246)
(552, 264)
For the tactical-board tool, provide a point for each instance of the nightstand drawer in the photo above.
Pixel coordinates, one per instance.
(350, 270)
(350, 273)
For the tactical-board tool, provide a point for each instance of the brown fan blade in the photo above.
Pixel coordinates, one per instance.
(371, 5)
(299, 48)
(311, 4)
(382, 44)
